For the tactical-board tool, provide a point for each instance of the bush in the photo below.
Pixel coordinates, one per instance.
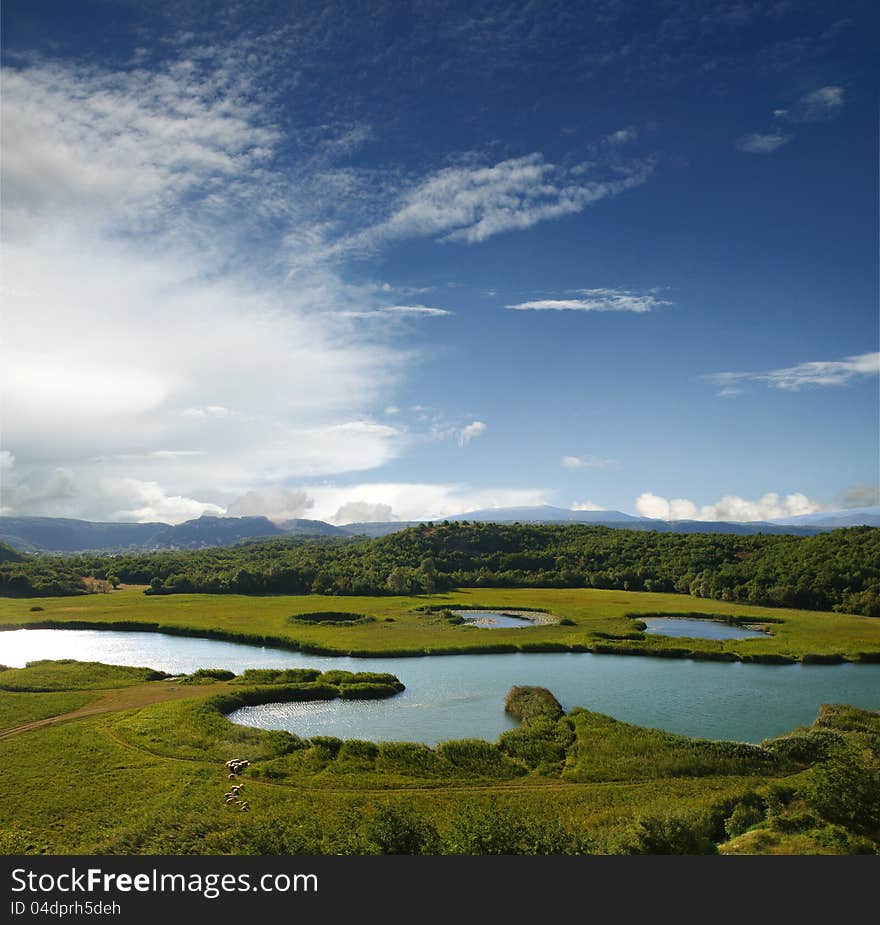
(666, 835)
(330, 743)
(845, 788)
(399, 829)
(745, 815)
(478, 757)
(207, 675)
(277, 676)
(502, 830)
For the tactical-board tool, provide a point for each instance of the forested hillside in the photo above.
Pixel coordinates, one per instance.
(839, 570)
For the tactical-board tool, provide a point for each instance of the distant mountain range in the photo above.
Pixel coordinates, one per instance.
(65, 535)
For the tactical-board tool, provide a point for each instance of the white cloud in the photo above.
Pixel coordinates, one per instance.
(275, 502)
(818, 374)
(152, 504)
(765, 143)
(468, 204)
(818, 106)
(50, 492)
(586, 506)
(728, 508)
(134, 205)
(401, 311)
(622, 136)
(470, 432)
(418, 501)
(363, 512)
(416, 310)
(211, 411)
(586, 462)
(597, 300)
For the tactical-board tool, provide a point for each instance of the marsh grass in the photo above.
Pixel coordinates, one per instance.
(590, 620)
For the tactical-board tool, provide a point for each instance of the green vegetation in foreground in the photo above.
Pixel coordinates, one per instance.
(71, 675)
(559, 784)
(19, 708)
(589, 621)
(839, 570)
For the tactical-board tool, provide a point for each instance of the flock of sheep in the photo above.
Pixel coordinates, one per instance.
(234, 794)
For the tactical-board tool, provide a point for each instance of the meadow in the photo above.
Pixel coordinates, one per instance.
(589, 620)
(148, 775)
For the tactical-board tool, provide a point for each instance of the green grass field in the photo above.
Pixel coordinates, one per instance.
(145, 774)
(399, 628)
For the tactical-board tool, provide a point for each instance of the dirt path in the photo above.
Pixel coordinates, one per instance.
(126, 698)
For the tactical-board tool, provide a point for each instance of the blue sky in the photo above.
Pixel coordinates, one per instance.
(405, 260)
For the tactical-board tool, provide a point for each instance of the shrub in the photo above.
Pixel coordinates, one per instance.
(845, 788)
(329, 743)
(745, 815)
(207, 675)
(502, 830)
(478, 757)
(277, 676)
(399, 829)
(666, 835)
(368, 691)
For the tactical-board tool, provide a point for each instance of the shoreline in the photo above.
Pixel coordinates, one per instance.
(599, 648)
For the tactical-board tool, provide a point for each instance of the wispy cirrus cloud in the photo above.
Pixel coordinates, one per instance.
(815, 374)
(766, 143)
(818, 106)
(399, 311)
(586, 462)
(597, 300)
(470, 203)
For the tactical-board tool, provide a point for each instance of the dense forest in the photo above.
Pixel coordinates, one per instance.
(839, 570)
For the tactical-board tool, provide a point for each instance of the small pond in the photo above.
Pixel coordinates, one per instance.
(496, 620)
(695, 628)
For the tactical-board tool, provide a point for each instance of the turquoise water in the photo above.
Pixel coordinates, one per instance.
(697, 629)
(458, 696)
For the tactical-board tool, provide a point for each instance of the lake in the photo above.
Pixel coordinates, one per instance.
(459, 696)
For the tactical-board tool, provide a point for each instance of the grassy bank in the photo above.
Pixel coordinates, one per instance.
(149, 777)
(590, 620)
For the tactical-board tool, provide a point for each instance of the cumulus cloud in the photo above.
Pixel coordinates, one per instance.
(363, 512)
(765, 143)
(470, 432)
(416, 500)
(50, 492)
(728, 508)
(275, 502)
(818, 374)
(586, 506)
(597, 300)
(818, 106)
(153, 504)
(586, 462)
